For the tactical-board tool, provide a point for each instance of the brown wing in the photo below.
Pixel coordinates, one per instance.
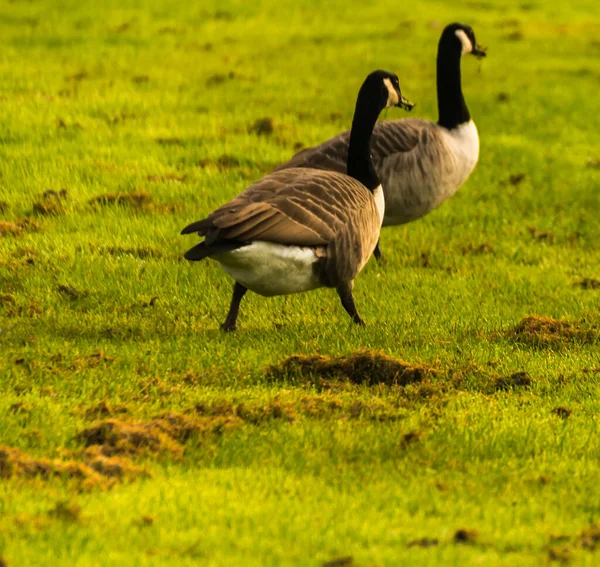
(389, 137)
(304, 207)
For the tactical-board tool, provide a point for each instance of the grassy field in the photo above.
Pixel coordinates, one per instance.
(458, 428)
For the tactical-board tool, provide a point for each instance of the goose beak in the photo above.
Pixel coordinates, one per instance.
(479, 51)
(405, 104)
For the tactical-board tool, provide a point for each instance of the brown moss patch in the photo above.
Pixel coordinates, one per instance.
(16, 228)
(423, 542)
(345, 561)
(262, 127)
(51, 203)
(161, 435)
(588, 283)
(15, 463)
(540, 235)
(562, 412)
(70, 292)
(66, 511)
(167, 178)
(545, 331)
(363, 367)
(115, 467)
(589, 538)
(559, 554)
(477, 249)
(7, 299)
(103, 409)
(464, 535)
(254, 414)
(136, 200)
(513, 381)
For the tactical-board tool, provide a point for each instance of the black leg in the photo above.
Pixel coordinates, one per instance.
(377, 253)
(230, 323)
(345, 293)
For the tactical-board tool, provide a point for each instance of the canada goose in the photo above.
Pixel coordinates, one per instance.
(301, 229)
(420, 163)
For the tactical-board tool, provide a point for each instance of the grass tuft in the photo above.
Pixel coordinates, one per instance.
(363, 367)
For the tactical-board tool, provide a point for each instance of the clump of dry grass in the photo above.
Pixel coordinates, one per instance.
(161, 435)
(362, 367)
(136, 200)
(51, 203)
(15, 463)
(95, 471)
(545, 331)
(16, 228)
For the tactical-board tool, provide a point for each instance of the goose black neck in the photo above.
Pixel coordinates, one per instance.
(452, 108)
(360, 165)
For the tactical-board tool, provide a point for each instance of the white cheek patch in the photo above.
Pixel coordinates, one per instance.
(393, 99)
(467, 46)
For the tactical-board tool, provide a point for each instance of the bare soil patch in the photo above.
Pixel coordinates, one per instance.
(362, 367)
(162, 435)
(545, 331)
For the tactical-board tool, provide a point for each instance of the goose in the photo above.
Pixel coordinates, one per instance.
(420, 163)
(300, 229)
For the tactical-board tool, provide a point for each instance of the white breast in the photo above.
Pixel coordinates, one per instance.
(272, 269)
(465, 143)
(379, 201)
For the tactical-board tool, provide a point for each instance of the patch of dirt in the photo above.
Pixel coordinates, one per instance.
(144, 521)
(516, 178)
(136, 200)
(464, 535)
(540, 235)
(167, 178)
(514, 36)
(262, 127)
(16, 228)
(104, 409)
(220, 78)
(7, 299)
(562, 412)
(140, 252)
(66, 512)
(15, 463)
(545, 331)
(20, 408)
(362, 367)
(411, 437)
(589, 538)
(423, 542)
(513, 381)
(560, 554)
(114, 467)
(161, 435)
(70, 292)
(253, 414)
(313, 406)
(346, 561)
(478, 249)
(588, 283)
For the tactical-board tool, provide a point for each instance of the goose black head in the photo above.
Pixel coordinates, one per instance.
(388, 87)
(462, 38)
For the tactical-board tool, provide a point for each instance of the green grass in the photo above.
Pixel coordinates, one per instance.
(96, 303)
